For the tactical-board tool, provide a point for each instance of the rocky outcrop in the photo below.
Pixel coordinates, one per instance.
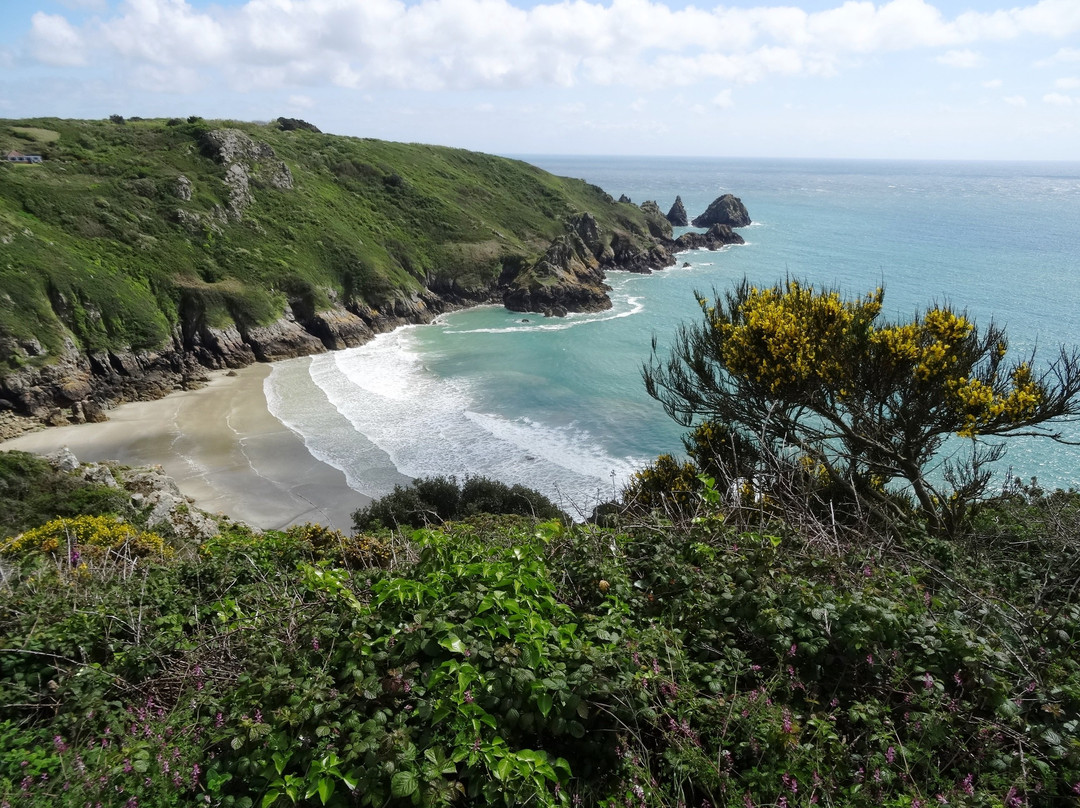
(247, 161)
(154, 496)
(567, 277)
(717, 236)
(727, 209)
(677, 214)
(659, 226)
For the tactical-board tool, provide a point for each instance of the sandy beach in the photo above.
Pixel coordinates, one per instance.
(224, 449)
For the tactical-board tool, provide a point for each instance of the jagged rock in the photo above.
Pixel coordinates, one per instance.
(240, 196)
(588, 231)
(717, 236)
(338, 328)
(283, 339)
(63, 459)
(659, 226)
(150, 480)
(99, 475)
(568, 275)
(175, 515)
(677, 214)
(232, 146)
(727, 209)
(182, 188)
(630, 257)
(625, 199)
(290, 124)
(245, 159)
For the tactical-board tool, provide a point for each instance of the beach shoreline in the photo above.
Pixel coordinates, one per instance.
(224, 449)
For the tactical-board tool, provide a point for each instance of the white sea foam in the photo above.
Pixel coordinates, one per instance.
(376, 412)
(627, 306)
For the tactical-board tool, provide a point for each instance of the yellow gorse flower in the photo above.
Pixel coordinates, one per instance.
(794, 336)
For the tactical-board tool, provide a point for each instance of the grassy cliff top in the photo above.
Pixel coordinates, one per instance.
(125, 222)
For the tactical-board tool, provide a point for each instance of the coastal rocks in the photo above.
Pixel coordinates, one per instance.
(628, 255)
(717, 236)
(659, 226)
(677, 214)
(727, 209)
(283, 339)
(567, 277)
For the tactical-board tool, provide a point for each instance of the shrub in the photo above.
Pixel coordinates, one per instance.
(807, 376)
(433, 500)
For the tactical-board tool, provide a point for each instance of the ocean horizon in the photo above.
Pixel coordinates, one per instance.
(558, 403)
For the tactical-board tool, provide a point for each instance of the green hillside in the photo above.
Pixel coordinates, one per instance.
(127, 228)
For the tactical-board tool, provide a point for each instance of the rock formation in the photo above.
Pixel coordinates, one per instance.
(567, 277)
(659, 226)
(727, 209)
(677, 214)
(717, 236)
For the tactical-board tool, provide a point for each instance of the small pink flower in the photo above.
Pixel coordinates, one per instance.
(890, 755)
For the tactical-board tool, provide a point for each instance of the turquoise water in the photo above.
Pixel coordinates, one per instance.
(558, 404)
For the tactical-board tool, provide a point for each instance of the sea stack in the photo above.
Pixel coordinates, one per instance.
(677, 214)
(727, 209)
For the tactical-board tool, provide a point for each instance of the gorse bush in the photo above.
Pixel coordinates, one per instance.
(817, 383)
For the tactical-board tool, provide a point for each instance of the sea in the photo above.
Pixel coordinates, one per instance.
(558, 404)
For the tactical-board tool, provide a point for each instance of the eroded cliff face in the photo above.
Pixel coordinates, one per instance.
(77, 387)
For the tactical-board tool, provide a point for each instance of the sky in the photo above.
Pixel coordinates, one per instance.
(908, 79)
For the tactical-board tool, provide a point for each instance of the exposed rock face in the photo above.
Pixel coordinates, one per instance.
(567, 277)
(659, 226)
(246, 161)
(182, 188)
(625, 199)
(153, 493)
(677, 214)
(727, 209)
(717, 236)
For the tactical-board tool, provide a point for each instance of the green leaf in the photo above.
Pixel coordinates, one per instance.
(453, 643)
(543, 703)
(403, 784)
(270, 797)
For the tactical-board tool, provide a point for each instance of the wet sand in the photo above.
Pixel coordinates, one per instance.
(224, 449)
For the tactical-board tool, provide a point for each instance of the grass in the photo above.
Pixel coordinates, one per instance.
(98, 244)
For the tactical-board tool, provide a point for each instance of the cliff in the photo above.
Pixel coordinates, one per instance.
(139, 254)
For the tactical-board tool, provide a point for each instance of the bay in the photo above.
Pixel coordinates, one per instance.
(558, 404)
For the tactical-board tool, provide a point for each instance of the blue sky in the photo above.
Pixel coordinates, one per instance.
(935, 79)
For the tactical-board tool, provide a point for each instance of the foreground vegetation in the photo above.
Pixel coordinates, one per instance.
(725, 660)
(751, 627)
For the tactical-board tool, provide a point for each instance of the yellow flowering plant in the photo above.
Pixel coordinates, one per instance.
(811, 378)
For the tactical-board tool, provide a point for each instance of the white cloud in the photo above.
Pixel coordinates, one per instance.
(993, 84)
(960, 58)
(1058, 99)
(1064, 55)
(301, 101)
(723, 100)
(54, 41)
(1068, 83)
(1015, 100)
(481, 44)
